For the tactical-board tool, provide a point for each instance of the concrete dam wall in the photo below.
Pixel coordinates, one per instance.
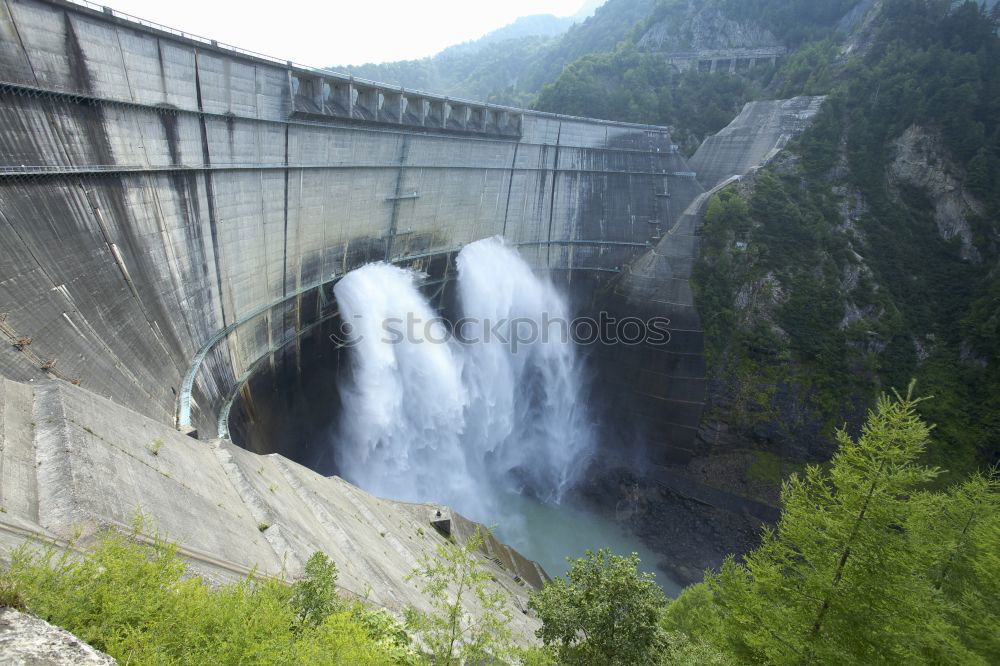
(73, 463)
(175, 214)
(175, 211)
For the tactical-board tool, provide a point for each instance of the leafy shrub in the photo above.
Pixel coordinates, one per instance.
(10, 595)
(449, 577)
(603, 612)
(137, 603)
(315, 596)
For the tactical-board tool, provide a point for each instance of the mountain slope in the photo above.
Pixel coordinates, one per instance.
(510, 65)
(537, 25)
(869, 253)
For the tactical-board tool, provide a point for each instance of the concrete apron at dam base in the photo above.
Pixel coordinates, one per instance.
(176, 212)
(74, 463)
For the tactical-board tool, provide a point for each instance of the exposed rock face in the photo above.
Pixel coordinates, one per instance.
(704, 29)
(854, 17)
(690, 533)
(27, 640)
(859, 26)
(921, 161)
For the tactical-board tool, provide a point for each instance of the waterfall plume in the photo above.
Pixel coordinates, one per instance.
(461, 417)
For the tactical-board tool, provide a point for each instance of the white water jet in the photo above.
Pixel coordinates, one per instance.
(526, 408)
(428, 417)
(402, 402)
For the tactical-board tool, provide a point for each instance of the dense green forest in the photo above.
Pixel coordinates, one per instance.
(641, 87)
(921, 305)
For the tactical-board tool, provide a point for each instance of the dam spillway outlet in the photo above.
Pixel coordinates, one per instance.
(480, 411)
(428, 415)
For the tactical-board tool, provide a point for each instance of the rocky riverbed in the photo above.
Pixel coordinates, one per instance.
(688, 533)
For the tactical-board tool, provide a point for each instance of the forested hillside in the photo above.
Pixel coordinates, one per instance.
(871, 248)
(635, 82)
(868, 253)
(490, 73)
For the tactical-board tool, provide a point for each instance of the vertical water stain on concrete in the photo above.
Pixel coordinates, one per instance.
(210, 199)
(169, 121)
(92, 121)
(75, 58)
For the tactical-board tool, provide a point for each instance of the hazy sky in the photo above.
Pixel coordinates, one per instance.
(338, 32)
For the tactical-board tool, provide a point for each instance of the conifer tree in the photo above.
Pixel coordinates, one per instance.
(957, 537)
(866, 565)
(834, 582)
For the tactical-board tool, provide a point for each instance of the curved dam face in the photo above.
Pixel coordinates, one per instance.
(176, 212)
